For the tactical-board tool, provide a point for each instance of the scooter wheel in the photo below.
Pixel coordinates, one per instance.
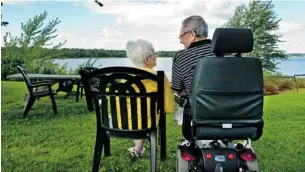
(181, 164)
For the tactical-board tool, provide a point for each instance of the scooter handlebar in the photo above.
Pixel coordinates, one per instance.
(180, 100)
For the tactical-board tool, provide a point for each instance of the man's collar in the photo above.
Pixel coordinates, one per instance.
(199, 43)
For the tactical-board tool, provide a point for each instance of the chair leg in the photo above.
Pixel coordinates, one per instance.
(81, 92)
(27, 97)
(77, 90)
(163, 137)
(153, 151)
(53, 103)
(29, 104)
(159, 137)
(107, 146)
(97, 153)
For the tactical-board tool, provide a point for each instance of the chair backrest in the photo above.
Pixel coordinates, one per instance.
(228, 90)
(94, 83)
(119, 88)
(26, 78)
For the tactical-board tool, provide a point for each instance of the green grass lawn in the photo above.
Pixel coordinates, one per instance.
(65, 142)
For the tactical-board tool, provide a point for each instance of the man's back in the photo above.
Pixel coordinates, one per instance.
(184, 64)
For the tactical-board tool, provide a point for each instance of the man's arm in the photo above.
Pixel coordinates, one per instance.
(176, 75)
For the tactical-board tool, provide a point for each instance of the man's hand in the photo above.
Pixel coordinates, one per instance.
(181, 93)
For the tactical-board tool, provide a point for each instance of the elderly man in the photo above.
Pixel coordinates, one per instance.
(193, 35)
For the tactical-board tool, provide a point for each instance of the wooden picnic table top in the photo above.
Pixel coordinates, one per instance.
(44, 76)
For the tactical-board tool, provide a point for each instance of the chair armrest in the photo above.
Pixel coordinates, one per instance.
(40, 82)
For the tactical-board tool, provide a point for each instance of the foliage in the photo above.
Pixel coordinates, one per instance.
(297, 55)
(29, 50)
(166, 53)
(76, 52)
(87, 64)
(260, 17)
(65, 142)
(301, 83)
(101, 53)
(268, 73)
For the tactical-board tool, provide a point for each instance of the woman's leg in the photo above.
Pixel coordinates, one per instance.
(139, 145)
(138, 150)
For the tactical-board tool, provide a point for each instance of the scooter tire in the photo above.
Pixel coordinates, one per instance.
(181, 164)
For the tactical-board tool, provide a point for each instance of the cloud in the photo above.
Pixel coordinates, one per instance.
(143, 13)
(111, 33)
(33, 1)
(15, 2)
(293, 35)
(119, 21)
(290, 27)
(159, 22)
(64, 35)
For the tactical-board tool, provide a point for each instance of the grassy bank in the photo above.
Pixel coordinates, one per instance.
(65, 142)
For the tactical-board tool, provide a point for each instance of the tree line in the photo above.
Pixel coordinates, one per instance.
(81, 52)
(297, 55)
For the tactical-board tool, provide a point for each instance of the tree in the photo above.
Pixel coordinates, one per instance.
(262, 20)
(29, 49)
(3, 23)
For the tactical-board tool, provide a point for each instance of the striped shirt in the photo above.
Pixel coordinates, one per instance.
(184, 63)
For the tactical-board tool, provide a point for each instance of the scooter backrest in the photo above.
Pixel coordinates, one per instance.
(228, 90)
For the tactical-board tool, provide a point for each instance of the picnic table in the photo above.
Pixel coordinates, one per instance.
(18, 76)
(52, 77)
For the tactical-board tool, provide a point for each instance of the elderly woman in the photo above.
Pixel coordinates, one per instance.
(143, 56)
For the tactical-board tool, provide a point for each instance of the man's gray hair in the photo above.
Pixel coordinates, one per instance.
(197, 24)
(138, 50)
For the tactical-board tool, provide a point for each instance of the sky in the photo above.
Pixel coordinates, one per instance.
(86, 25)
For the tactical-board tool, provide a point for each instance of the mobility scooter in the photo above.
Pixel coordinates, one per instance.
(225, 105)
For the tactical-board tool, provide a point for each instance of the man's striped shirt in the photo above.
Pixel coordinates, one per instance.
(184, 63)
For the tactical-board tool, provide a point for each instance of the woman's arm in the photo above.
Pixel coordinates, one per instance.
(168, 97)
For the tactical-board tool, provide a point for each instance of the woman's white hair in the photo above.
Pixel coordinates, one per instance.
(138, 50)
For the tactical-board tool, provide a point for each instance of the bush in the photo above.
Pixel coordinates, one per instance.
(270, 89)
(9, 66)
(301, 83)
(275, 82)
(286, 85)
